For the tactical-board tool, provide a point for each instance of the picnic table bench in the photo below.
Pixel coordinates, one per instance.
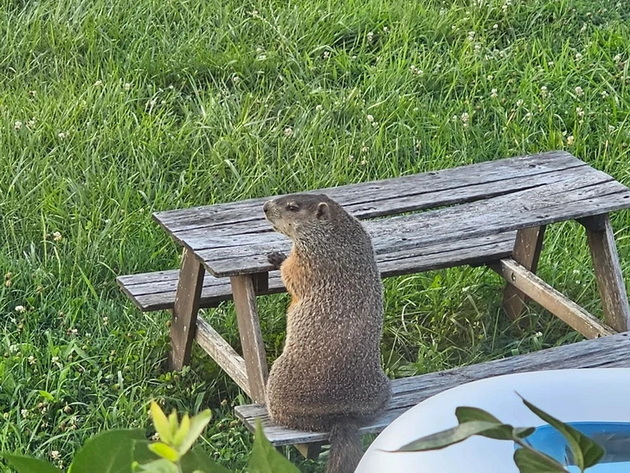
(493, 213)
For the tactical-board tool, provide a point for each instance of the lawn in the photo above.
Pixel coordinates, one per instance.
(111, 110)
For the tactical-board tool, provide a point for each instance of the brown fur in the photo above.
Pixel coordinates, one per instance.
(329, 375)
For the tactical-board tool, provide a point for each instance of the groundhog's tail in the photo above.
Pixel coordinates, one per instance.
(345, 448)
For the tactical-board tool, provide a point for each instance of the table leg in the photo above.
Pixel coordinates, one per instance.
(251, 337)
(527, 248)
(612, 288)
(310, 451)
(185, 310)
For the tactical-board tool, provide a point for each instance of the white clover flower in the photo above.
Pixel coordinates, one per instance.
(288, 132)
(326, 54)
(370, 118)
(18, 125)
(579, 111)
(62, 135)
(57, 236)
(579, 91)
(578, 56)
(495, 26)
(319, 108)
(127, 86)
(617, 58)
(519, 102)
(570, 140)
(32, 360)
(98, 83)
(494, 94)
(370, 36)
(465, 117)
(471, 36)
(55, 455)
(20, 309)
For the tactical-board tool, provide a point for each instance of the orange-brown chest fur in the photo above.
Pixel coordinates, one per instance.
(294, 274)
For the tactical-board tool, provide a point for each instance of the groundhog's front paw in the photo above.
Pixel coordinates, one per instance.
(276, 258)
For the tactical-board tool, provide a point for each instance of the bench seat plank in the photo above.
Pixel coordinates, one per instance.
(156, 291)
(611, 351)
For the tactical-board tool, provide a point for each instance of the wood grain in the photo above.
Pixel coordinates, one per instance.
(612, 287)
(156, 291)
(251, 336)
(221, 352)
(185, 310)
(527, 248)
(552, 300)
(369, 198)
(611, 351)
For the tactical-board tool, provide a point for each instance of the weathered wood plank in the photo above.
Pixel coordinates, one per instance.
(612, 351)
(553, 202)
(185, 310)
(612, 287)
(476, 219)
(552, 300)
(527, 248)
(388, 202)
(149, 295)
(382, 196)
(222, 353)
(250, 334)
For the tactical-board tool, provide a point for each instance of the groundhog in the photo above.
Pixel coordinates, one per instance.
(329, 375)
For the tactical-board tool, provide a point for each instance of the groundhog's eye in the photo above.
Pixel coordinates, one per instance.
(292, 206)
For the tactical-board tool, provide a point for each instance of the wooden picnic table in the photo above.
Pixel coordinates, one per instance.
(492, 213)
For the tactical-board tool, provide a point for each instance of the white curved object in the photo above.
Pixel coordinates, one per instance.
(601, 394)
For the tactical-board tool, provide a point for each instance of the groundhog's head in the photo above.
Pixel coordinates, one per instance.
(300, 215)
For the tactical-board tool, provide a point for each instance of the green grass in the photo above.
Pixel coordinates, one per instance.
(112, 110)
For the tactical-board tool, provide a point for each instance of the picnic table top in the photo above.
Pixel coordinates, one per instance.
(466, 202)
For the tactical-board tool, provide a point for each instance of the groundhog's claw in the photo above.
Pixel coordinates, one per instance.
(276, 258)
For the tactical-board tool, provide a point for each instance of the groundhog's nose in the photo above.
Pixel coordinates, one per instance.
(266, 207)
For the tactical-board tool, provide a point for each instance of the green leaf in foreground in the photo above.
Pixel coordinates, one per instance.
(30, 465)
(450, 436)
(195, 427)
(265, 458)
(502, 432)
(158, 466)
(107, 452)
(197, 459)
(586, 452)
(531, 461)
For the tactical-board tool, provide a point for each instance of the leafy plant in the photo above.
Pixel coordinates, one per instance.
(475, 421)
(128, 451)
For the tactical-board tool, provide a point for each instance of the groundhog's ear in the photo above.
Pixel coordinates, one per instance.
(322, 210)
